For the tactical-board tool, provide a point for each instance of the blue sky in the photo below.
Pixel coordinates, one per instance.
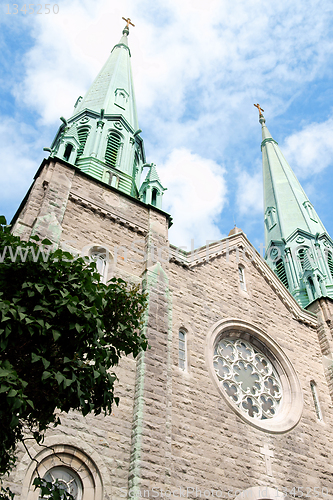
(198, 69)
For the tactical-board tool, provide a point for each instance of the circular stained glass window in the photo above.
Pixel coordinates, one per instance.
(66, 479)
(248, 378)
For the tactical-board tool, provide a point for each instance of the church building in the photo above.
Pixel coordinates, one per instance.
(234, 398)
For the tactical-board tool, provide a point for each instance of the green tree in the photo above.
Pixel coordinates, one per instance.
(61, 332)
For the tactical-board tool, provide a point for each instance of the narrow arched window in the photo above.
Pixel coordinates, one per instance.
(330, 262)
(154, 197)
(68, 150)
(99, 255)
(108, 177)
(281, 272)
(83, 136)
(313, 386)
(112, 150)
(182, 350)
(241, 275)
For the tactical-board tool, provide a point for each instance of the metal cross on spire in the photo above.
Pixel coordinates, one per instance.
(259, 109)
(128, 21)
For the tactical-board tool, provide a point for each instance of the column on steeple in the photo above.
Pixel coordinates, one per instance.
(298, 247)
(102, 137)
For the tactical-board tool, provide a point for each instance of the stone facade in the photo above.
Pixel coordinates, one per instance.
(176, 433)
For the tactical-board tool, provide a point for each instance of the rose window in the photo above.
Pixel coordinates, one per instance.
(248, 378)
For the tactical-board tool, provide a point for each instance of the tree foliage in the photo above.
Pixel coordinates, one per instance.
(61, 331)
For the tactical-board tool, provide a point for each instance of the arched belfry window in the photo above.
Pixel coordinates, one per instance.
(83, 136)
(113, 150)
(301, 255)
(281, 272)
(154, 197)
(68, 150)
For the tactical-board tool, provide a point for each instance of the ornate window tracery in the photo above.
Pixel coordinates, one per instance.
(66, 479)
(248, 378)
(254, 375)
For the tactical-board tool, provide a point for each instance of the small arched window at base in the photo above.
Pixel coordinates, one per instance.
(316, 403)
(182, 350)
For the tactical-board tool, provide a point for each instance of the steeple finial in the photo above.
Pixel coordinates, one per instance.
(260, 110)
(128, 23)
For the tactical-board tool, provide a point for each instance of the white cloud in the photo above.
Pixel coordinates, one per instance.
(20, 146)
(195, 197)
(310, 150)
(249, 193)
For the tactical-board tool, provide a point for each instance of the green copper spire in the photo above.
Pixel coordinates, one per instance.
(102, 137)
(298, 247)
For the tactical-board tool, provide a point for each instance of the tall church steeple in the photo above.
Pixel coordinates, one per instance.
(102, 137)
(298, 247)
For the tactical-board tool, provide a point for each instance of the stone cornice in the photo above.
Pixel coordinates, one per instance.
(107, 212)
(204, 255)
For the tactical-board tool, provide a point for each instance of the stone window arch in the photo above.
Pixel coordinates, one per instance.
(73, 468)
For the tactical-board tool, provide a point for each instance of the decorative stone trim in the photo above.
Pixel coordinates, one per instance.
(291, 406)
(239, 242)
(102, 211)
(75, 455)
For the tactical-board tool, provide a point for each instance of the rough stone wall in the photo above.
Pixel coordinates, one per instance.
(173, 429)
(212, 447)
(87, 213)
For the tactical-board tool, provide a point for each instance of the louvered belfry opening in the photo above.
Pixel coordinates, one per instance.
(302, 255)
(83, 135)
(281, 272)
(112, 150)
(330, 262)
